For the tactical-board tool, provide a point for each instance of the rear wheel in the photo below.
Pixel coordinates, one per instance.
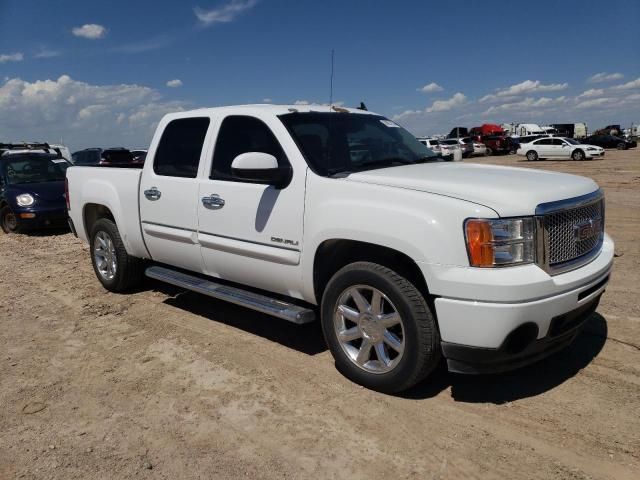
(8, 220)
(379, 328)
(115, 268)
(577, 155)
(489, 151)
(532, 155)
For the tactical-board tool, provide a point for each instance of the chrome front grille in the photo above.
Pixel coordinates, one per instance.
(570, 232)
(562, 228)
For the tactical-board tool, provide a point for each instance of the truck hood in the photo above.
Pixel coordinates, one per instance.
(507, 190)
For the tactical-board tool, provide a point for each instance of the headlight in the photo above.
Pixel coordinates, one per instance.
(25, 200)
(495, 243)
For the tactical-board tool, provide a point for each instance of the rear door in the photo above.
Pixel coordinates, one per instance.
(169, 193)
(253, 235)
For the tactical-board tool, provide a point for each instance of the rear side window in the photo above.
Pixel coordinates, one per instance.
(241, 134)
(178, 153)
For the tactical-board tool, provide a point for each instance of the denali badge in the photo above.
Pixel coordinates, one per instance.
(284, 241)
(585, 230)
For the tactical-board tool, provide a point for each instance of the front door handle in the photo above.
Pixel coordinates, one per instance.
(153, 193)
(213, 202)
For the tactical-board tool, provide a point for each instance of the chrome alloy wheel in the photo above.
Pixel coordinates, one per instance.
(369, 329)
(104, 255)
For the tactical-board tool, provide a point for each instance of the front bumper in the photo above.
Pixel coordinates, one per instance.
(38, 218)
(520, 348)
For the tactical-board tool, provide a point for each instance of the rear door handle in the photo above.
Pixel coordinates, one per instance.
(213, 202)
(153, 193)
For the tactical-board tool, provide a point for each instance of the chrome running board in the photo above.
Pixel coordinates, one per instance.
(254, 301)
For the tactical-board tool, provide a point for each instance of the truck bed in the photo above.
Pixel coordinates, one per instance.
(115, 188)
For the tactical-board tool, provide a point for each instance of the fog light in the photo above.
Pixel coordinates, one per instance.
(27, 215)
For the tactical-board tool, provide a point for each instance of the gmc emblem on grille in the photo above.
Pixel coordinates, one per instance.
(586, 230)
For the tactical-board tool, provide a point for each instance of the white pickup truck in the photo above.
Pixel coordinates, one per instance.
(306, 211)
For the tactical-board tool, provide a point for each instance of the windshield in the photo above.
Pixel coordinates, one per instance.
(33, 168)
(571, 141)
(347, 142)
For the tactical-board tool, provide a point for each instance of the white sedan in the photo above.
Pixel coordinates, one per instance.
(559, 147)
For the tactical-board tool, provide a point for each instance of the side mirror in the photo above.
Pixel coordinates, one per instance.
(258, 167)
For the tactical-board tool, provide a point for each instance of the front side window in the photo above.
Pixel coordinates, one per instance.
(338, 142)
(242, 134)
(178, 153)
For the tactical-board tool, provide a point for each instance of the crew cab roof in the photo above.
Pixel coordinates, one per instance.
(265, 109)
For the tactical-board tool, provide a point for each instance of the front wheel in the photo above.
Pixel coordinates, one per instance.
(577, 155)
(115, 268)
(8, 220)
(489, 152)
(379, 328)
(621, 146)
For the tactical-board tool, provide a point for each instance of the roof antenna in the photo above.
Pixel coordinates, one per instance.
(331, 88)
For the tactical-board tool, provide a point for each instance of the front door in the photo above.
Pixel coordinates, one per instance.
(169, 194)
(250, 233)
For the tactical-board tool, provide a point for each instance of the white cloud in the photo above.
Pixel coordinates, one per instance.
(175, 83)
(44, 53)
(592, 92)
(225, 13)
(596, 102)
(11, 57)
(629, 85)
(267, 100)
(302, 102)
(529, 86)
(406, 114)
(604, 77)
(430, 88)
(92, 31)
(445, 105)
(82, 114)
(526, 104)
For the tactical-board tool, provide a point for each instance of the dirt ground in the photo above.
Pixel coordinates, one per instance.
(168, 384)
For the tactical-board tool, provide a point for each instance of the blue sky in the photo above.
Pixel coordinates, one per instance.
(96, 73)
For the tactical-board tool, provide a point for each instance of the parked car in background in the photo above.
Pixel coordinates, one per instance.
(32, 192)
(466, 147)
(613, 130)
(451, 150)
(404, 259)
(64, 150)
(104, 157)
(434, 145)
(559, 147)
(139, 156)
(479, 149)
(611, 141)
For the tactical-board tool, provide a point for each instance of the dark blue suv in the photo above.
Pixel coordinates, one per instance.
(32, 191)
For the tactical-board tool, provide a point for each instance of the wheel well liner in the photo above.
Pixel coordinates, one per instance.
(334, 254)
(93, 212)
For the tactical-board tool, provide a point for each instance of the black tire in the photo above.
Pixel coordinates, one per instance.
(421, 352)
(489, 152)
(532, 155)
(622, 146)
(8, 220)
(577, 155)
(129, 270)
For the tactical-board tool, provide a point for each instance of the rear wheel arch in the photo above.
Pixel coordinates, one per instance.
(332, 255)
(92, 212)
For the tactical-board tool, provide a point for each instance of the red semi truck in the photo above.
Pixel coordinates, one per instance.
(494, 138)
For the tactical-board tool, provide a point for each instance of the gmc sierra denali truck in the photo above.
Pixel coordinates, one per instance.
(314, 211)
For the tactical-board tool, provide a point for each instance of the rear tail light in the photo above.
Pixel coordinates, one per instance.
(66, 193)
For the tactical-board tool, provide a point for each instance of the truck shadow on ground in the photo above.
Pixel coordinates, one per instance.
(306, 338)
(521, 383)
(498, 389)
